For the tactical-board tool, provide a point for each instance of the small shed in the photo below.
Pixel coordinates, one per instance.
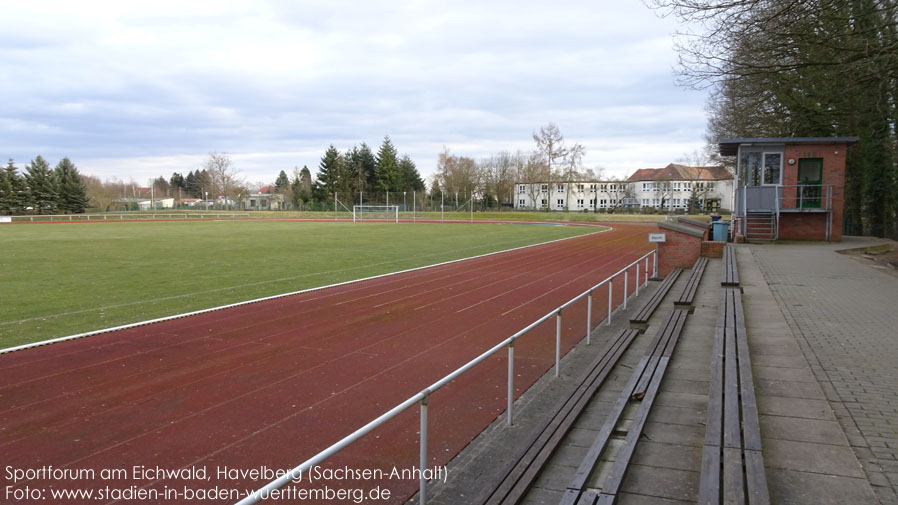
(788, 188)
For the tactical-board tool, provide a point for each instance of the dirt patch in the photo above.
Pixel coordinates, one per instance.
(882, 256)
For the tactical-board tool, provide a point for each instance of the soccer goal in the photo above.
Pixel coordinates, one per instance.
(375, 213)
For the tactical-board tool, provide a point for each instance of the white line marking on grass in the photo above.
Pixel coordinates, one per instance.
(274, 297)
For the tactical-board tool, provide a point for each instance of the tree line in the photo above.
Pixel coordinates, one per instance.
(42, 190)
(781, 68)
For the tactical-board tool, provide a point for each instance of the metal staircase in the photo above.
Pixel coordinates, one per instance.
(761, 225)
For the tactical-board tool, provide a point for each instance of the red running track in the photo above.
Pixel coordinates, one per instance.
(269, 385)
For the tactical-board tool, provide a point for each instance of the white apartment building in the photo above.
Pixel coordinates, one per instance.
(669, 188)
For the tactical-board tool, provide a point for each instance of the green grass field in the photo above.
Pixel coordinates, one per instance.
(62, 279)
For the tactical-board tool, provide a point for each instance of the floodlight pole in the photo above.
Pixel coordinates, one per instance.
(442, 219)
(403, 201)
(414, 208)
(335, 205)
(388, 198)
(472, 208)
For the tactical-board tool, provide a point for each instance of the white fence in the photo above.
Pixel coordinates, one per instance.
(422, 397)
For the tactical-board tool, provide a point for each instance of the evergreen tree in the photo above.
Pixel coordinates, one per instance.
(368, 165)
(176, 181)
(387, 168)
(190, 185)
(282, 181)
(305, 184)
(408, 173)
(18, 192)
(329, 172)
(71, 196)
(7, 199)
(42, 186)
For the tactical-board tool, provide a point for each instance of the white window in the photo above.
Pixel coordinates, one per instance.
(603, 203)
(676, 203)
(604, 187)
(522, 189)
(592, 187)
(580, 203)
(709, 186)
(656, 203)
(560, 203)
(521, 203)
(560, 187)
(676, 186)
(580, 187)
(544, 188)
(645, 202)
(543, 202)
(687, 186)
(592, 203)
(646, 186)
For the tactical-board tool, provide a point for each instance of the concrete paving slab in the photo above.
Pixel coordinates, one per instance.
(802, 487)
(661, 482)
(811, 457)
(795, 407)
(783, 374)
(809, 390)
(803, 430)
(796, 361)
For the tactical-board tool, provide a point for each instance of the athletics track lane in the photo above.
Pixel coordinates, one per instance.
(273, 383)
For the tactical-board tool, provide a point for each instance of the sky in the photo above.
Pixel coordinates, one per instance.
(135, 90)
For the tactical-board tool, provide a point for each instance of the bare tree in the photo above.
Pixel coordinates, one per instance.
(225, 180)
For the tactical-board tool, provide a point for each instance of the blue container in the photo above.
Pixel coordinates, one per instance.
(721, 230)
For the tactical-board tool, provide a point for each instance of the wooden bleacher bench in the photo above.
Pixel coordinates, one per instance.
(732, 461)
(730, 269)
(642, 389)
(641, 318)
(688, 295)
(523, 469)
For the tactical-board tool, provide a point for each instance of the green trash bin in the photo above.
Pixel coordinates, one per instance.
(721, 230)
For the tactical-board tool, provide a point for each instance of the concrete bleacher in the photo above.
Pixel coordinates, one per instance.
(666, 464)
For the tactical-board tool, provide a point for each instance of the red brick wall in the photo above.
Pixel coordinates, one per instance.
(680, 250)
(805, 226)
(712, 249)
(833, 173)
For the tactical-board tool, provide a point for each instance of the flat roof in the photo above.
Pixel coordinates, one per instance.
(729, 147)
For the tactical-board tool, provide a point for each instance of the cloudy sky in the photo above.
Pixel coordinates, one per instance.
(141, 89)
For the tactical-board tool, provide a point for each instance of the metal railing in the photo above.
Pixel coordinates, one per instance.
(805, 196)
(125, 216)
(423, 396)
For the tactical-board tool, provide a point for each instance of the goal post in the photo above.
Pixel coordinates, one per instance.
(375, 213)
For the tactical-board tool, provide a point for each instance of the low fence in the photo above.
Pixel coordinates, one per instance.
(124, 216)
(422, 397)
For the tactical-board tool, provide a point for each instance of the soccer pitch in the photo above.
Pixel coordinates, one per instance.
(63, 279)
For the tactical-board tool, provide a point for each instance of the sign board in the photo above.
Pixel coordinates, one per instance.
(5, 219)
(657, 237)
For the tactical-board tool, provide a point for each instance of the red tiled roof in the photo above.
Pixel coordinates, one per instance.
(675, 172)
(267, 189)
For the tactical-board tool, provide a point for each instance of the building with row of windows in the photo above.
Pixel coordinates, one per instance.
(674, 187)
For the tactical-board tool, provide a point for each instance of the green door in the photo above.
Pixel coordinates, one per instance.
(810, 180)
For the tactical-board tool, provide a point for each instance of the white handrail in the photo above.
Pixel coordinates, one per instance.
(422, 396)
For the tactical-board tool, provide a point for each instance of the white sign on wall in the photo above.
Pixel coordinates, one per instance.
(657, 237)
(5, 219)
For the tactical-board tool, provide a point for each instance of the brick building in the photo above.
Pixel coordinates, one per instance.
(788, 188)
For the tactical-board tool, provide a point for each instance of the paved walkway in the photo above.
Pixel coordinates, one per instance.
(822, 336)
(845, 316)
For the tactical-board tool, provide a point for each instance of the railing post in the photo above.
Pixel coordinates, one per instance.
(510, 379)
(637, 278)
(557, 343)
(610, 291)
(655, 262)
(646, 281)
(626, 275)
(588, 316)
(422, 487)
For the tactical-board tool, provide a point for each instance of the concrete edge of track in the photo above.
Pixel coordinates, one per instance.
(56, 340)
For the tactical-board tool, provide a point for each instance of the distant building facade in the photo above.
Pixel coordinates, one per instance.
(670, 188)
